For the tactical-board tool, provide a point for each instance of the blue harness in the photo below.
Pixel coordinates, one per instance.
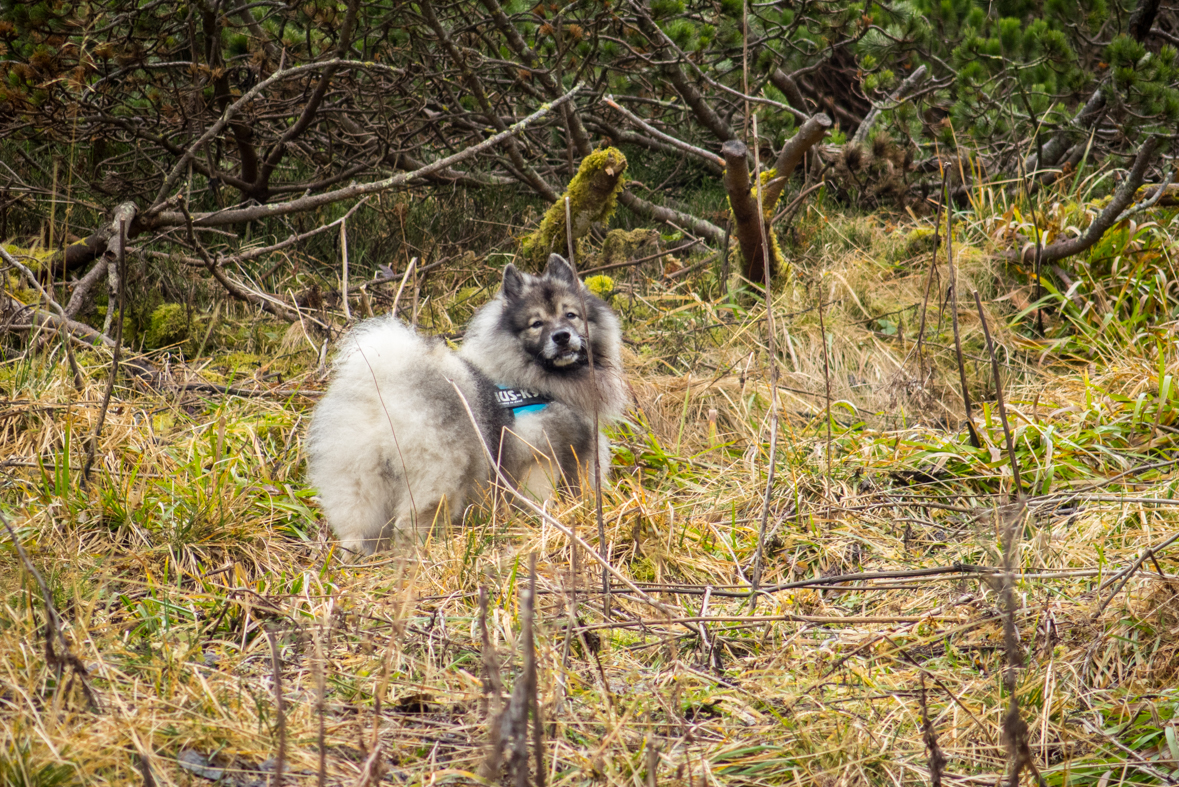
(521, 400)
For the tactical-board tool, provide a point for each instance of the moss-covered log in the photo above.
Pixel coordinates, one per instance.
(593, 195)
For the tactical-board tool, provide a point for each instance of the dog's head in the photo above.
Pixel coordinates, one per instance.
(550, 315)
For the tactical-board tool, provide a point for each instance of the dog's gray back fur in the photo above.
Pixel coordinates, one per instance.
(391, 447)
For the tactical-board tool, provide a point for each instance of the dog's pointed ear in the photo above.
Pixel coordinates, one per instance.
(560, 270)
(513, 285)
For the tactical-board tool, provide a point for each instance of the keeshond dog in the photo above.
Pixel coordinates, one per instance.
(392, 448)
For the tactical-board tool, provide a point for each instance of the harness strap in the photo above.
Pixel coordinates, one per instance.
(521, 400)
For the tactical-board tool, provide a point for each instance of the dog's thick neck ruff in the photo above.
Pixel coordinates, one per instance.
(521, 400)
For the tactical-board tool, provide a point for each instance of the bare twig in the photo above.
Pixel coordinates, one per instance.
(826, 393)
(264, 301)
(937, 758)
(1018, 491)
(120, 266)
(401, 287)
(370, 772)
(533, 678)
(974, 439)
(310, 202)
(1124, 575)
(652, 761)
(524, 695)
(1015, 729)
(493, 689)
(700, 153)
(641, 260)
(280, 757)
(1153, 199)
(911, 83)
(937, 225)
(786, 215)
(320, 700)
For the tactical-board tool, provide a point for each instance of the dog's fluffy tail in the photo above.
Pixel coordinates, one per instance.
(390, 447)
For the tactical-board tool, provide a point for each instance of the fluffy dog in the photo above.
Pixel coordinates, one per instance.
(392, 448)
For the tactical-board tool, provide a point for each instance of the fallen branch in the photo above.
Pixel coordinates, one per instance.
(785, 83)
(80, 297)
(1015, 729)
(1104, 221)
(697, 225)
(1017, 491)
(280, 757)
(40, 317)
(29, 275)
(265, 302)
(1153, 197)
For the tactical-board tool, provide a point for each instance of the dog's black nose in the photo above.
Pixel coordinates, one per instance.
(561, 338)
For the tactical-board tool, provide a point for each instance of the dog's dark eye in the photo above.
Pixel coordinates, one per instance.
(536, 324)
(570, 315)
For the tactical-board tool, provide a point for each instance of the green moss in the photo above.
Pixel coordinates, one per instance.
(620, 244)
(163, 423)
(919, 241)
(168, 325)
(465, 301)
(602, 286)
(593, 197)
(31, 258)
(97, 319)
(643, 570)
(239, 360)
(26, 295)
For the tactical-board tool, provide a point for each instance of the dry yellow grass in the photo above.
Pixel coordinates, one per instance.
(196, 543)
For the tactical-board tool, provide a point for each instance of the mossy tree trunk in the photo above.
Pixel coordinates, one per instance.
(593, 195)
(743, 199)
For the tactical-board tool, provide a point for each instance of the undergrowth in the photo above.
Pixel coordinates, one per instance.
(195, 542)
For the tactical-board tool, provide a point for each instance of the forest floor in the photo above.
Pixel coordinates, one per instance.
(205, 632)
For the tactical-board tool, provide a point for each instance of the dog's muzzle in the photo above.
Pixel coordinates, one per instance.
(564, 348)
